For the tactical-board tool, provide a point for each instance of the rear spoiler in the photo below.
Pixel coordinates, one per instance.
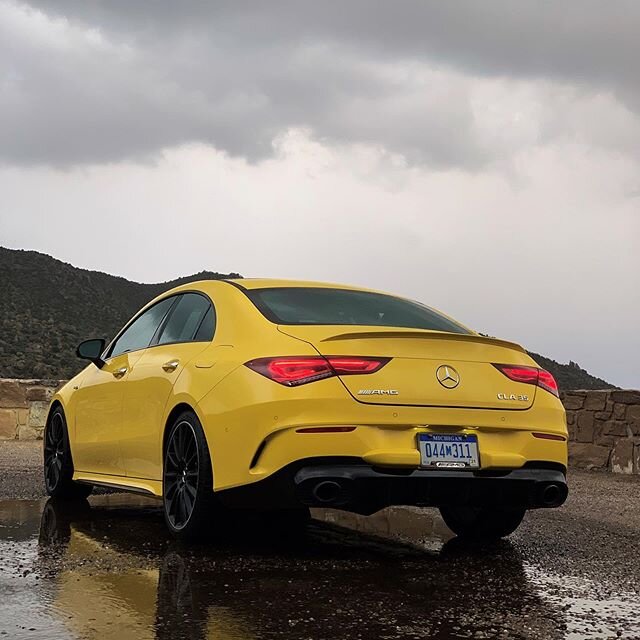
(426, 334)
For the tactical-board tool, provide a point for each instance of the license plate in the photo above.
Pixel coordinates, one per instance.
(440, 451)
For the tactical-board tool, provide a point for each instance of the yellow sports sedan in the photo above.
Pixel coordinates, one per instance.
(281, 395)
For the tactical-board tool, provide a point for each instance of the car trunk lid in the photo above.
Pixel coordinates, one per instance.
(427, 368)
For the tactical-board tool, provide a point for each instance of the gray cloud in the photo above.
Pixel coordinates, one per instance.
(95, 82)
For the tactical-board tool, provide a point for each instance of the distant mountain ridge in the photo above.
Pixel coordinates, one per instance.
(571, 376)
(48, 306)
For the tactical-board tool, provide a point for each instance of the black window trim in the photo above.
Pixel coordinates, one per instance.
(106, 356)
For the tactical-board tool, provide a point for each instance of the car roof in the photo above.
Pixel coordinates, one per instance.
(268, 283)
(252, 284)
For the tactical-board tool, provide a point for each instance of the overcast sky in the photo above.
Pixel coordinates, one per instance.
(483, 157)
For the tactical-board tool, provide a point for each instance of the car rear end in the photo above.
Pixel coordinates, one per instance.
(379, 401)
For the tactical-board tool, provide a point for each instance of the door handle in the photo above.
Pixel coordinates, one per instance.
(171, 366)
(118, 373)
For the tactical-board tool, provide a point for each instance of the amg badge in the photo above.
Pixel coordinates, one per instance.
(378, 392)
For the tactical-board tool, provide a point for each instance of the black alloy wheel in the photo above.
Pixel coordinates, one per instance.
(187, 479)
(181, 475)
(54, 452)
(58, 465)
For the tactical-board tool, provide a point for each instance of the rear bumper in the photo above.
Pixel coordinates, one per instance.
(364, 489)
(253, 428)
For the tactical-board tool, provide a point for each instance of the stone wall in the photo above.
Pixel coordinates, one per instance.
(604, 426)
(23, 407)
(604, 430)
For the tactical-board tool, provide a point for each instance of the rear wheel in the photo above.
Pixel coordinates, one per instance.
(58, 464)
(482, 523)
(189, 503)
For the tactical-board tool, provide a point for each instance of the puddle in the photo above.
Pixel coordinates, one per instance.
(589, 614)
(107, 569)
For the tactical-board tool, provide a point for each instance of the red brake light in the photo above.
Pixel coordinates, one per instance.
(548, 382)
(292, 371)
(344, 366)
(530, 375)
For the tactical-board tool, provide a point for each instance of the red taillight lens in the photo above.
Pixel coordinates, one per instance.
(293, 371)
(548, 382)
(530, 375)
(345, 366)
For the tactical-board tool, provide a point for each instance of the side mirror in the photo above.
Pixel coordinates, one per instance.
(92, 350)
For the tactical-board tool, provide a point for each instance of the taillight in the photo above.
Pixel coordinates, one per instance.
(345, 366)
(548, 382)
(293, 371)
(530, 375)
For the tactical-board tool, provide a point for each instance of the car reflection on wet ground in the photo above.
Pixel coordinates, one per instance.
(107, 569)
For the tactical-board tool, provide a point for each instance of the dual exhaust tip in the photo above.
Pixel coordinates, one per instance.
(328, 492)
(552, 494)
(336, 492)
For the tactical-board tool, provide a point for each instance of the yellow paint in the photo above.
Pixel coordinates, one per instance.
(116, 426)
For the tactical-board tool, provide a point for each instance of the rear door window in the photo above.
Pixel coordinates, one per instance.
(191, 319)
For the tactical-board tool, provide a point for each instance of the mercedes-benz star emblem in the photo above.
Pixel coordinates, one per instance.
(448, 377)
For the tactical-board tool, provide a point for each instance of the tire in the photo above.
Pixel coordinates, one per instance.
(482, 523)
(58, 463)
(187, 480)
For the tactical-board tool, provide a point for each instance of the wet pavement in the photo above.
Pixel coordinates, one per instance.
(107, 569)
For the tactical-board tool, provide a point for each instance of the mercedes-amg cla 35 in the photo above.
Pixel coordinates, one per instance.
(281, 395)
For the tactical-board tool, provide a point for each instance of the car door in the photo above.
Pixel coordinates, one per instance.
(186, 332)
(98, 423)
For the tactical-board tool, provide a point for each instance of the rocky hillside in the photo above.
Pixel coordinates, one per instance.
(47, 307)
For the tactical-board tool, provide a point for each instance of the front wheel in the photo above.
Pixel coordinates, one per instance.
(58, 464)
(482, 523)
(187, 481)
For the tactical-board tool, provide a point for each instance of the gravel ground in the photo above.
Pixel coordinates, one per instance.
(21, 469)
(572, 572)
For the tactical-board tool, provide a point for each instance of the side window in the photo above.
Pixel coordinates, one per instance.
(207, 327)
(186, 319)
(140, 332)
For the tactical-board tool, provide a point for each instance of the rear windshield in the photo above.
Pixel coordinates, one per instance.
(309, 305)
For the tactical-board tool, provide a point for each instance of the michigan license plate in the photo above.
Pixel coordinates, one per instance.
(440, 451)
